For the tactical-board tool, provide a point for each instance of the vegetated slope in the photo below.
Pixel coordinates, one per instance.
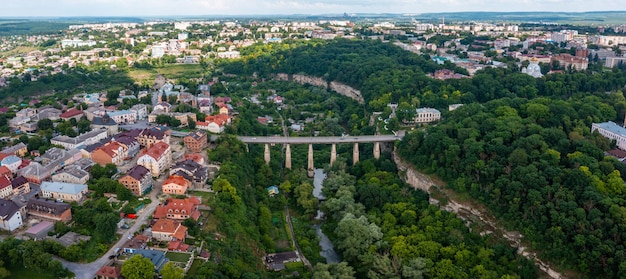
(537, 166)
(384, 229)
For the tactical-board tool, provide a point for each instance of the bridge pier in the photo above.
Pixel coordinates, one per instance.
(288, 156)
(355, 154)
(377, 150)
(310, 168)
(267, 153)
(333, 154)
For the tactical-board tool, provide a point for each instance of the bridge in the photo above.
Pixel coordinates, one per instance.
(288, 141)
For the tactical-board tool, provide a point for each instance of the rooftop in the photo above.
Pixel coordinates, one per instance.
(611, 127)
(157, 150)
(62, 187)
(7, 209)
(138, 172)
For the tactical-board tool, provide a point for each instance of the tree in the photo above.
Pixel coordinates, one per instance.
(171, 271)
(45, 124)
(190, 123)
(138, 267)
(336, 270)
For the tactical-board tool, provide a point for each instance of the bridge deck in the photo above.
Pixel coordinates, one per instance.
(321, 140)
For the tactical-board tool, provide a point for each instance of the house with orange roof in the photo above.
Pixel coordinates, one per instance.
(168, 230)
(6, 189)
(156, 158)
(112, 152)
(176, 185)
(214, 123)
(196, 157)
(224, 109)
(5, 171)
(178, 209)
(109, 272)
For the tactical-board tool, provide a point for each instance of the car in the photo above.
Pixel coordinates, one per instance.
(111, 257)
(253, 138)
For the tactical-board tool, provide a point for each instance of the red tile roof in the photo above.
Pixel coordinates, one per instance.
(71, 113)
(157, 150)
(188, 204)
(5, 171)
(178, 180)
(5, 181)
(110, 272)
(220, 119)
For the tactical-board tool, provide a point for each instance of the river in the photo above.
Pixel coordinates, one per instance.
(328, 251)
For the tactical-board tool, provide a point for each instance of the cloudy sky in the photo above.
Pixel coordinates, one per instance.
(22, 8)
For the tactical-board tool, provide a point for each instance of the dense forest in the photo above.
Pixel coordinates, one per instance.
(536, 165)
(384, 229)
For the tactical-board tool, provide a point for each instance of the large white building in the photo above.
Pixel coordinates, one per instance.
(83, 139)
(611, 131)
(427, 115)
(123, 116)
(63, 191)
(77, 43)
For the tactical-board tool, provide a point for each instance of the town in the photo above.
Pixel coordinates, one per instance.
(107, 170)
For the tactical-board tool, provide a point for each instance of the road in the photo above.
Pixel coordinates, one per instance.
(88, 270)
(293, 239)
(321, 140)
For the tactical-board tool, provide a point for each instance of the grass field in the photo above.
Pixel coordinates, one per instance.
(178, 257)
(17, 50)
(171, 71)
(194, 267)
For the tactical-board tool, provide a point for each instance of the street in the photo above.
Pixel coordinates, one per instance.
(88, 270)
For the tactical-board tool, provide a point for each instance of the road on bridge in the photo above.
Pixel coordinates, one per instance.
(322, 140)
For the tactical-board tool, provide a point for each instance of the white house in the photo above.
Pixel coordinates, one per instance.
(157, 158)
(10, 215)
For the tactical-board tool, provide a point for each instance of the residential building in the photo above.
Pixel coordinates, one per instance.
(427, 115)
(71, 174)
(49, 210)
(10, 215)
(6, 188)
(168, 230)
(63, 191)
(156, 158)
(148, 137)
(19, 149)
(83, 139)
(157, 257)
(176, 185)
(123, 116)
(214, 123)
(12, 162)
(71, 113)
(26, 113)
(195, 172)
(138, 180)
(567, 60)
(20, 185)
(611, 131)
(178, 209)
(35, 172)
(111, 152)
(105, 122)
(141, 110)
(614, 61)
(109, 272)
(137, 242)
(129, 139)
(47, 113)
(196, 141)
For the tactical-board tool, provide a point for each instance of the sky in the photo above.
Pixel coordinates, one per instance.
(59, 8)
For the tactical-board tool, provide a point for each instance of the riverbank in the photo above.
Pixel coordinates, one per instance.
(469, 211)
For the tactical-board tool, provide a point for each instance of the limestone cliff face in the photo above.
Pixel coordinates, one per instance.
(336, 86)
(347, 91)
